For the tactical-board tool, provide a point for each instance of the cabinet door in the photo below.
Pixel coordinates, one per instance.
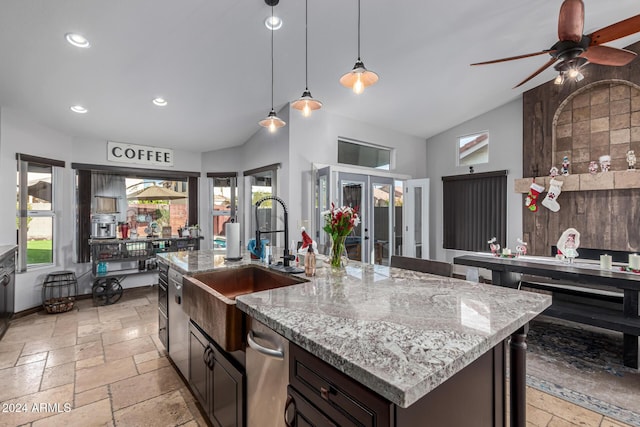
(227, 404)
(299, 412)
(198, 368)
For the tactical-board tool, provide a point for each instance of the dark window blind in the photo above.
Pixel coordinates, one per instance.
(474, 210)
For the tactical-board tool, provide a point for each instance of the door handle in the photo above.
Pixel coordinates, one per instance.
(366, 237)
(276, 354)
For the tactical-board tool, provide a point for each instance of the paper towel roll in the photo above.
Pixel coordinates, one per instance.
(232, 232)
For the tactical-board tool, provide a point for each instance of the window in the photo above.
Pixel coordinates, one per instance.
(155, 207)
(474, 210)
(151, 200)
(224, 199)
(359, 154)
(261, 182)
(35, 219)
(473, 149)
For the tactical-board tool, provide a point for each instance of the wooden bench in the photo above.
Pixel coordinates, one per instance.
(583, 303)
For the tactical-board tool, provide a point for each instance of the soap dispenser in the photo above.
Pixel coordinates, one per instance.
(310, 262)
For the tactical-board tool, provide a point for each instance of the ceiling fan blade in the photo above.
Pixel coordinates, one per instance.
(571, 21)
(511, 58)
(538, 71)
(605, 55)
(615, 31)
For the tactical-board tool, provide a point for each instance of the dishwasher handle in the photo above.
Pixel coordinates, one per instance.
(275, 353)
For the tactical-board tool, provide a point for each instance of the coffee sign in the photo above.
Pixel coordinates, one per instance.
(139, 154)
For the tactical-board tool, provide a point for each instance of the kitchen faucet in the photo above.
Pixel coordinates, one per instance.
(287, 256)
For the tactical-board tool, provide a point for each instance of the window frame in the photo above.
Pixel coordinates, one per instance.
(233, 211)
(390, 150)
(23, 213)
(474, 135)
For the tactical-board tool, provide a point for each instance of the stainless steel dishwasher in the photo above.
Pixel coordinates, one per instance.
(267, 376)
(178, 325)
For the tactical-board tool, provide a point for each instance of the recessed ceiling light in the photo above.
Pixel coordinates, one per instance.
(160, 102)
(77, 40)
(78, 109)
(273, 22)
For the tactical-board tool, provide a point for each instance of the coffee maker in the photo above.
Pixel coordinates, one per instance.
(103, 226)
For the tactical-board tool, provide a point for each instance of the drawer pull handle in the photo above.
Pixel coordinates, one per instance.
(290, 402)
(324, 393)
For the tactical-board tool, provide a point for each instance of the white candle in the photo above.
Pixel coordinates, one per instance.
(605, 262)
(506, 251)
(634, 261)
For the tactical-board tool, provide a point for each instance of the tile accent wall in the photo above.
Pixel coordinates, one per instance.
(602, 118)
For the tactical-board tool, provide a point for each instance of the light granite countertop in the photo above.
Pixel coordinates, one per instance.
(398, 332)
(5, 249)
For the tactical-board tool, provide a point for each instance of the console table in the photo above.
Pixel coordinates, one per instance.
(508, 272)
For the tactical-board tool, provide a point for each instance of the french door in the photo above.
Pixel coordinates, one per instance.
(372, 240)
(416, 218)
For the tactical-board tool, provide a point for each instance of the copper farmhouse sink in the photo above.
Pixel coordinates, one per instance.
(209, 300)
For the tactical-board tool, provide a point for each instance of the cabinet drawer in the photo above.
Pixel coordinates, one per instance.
(300, 413)
(343, 399)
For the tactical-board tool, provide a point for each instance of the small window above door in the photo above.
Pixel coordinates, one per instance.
(473, 149)
(367, 155)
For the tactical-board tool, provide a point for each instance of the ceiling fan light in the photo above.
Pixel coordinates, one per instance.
(306, 103)
(559, 79)
(272, 122)
(578, 76)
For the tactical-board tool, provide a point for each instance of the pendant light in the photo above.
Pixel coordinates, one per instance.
(272, 122)
(306, 103)
(359, 77)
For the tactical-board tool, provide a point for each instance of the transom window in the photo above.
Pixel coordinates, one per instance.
(366, 155)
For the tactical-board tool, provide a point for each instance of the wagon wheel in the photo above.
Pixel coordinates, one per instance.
(106, 291)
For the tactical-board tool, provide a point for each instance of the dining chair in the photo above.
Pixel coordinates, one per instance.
(439, 268)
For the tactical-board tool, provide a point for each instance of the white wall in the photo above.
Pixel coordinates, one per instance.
(505, 152)
(262, 149)
(314, 140)
(19, 134)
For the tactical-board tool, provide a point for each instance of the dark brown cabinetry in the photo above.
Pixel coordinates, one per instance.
(217, 380)
(319, 395)
(332, 394)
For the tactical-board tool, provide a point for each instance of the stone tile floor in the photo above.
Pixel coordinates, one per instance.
(104, 366)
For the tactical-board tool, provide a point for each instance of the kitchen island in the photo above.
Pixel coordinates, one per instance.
(399, 333)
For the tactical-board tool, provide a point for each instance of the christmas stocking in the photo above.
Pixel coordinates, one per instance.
(551, 201)
(532, 198)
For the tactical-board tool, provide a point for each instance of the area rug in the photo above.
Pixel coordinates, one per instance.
(583, 365)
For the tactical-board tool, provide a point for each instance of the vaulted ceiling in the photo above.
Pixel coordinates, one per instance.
(211, 61)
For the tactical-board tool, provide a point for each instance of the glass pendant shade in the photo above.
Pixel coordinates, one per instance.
(358, 78)
(272, 122)
(306, 103)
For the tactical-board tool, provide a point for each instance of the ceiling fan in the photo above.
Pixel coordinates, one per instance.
(574, 50)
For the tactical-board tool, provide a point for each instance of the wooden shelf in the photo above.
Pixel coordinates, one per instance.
(612, 180)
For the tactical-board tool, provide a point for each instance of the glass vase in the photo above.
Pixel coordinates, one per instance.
(338, 253)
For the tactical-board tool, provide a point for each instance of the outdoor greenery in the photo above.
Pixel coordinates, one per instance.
(39, 251)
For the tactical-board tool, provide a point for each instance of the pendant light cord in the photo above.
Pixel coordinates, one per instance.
(272, 30)
(358, 30)
(306, 44)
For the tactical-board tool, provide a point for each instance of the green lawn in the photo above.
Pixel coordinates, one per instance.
(39, 252)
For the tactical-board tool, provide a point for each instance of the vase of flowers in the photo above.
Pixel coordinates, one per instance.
(339, 223)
